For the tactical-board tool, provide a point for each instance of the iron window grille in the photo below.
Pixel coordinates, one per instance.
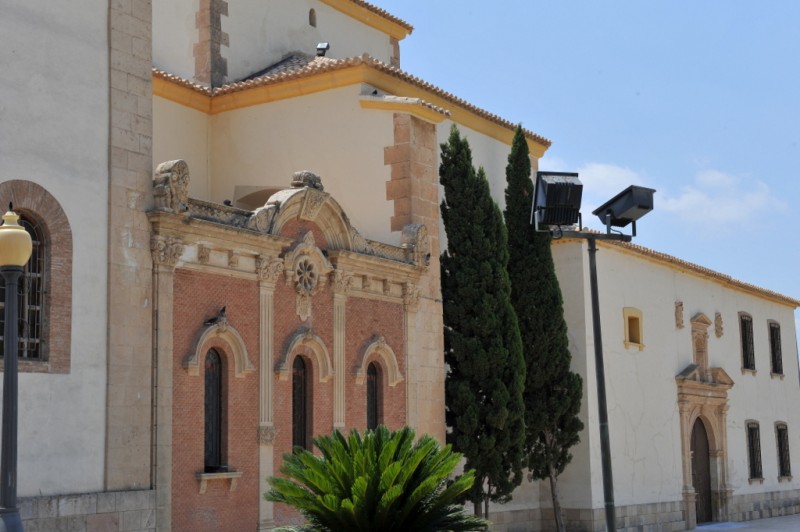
(748, 351)
(30, 296)
(373, 397)
(754, 450)
(300, 403)
(775, 348)
(784, 463)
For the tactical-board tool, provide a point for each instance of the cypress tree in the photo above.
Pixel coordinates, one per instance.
(552, 392)
(483, 349)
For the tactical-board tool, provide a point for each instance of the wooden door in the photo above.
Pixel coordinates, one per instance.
(701, 473)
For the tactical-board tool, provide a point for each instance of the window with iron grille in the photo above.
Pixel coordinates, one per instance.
(373, 396)
(214, 415)
(30, 296)
(301, 415)
(748, 352)
(775, 347)
(782, 436)
(754, 450)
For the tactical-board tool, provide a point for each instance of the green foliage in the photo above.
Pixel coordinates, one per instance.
(552, 391)
(483, 349)
(383, 481)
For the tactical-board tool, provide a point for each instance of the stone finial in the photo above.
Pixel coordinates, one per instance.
(308, 179)
(171, 186)
(414, 239)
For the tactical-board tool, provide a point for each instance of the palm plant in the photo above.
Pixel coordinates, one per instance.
(381, 481)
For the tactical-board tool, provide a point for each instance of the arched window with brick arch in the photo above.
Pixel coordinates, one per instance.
(374, 396)
(45, 292)
(301, 403)
(215, 421)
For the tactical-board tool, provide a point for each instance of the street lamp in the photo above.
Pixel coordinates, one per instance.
(15, 250)
(556, 203)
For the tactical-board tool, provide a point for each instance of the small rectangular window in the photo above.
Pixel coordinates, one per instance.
(775, 348)
(748, 352)
(633, 328)
(754, 450)
(784, 464)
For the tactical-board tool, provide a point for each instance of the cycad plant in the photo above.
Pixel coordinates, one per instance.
(381, 481)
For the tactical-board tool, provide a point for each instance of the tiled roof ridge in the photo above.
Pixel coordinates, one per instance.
(183, 82)
(383, 13)
(324, 64)
(696, 268)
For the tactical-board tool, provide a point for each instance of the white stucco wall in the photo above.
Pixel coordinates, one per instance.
(174, 34)
(54, 131)
(644, 423)
(181, 132)
(262, 33)
(327, 133)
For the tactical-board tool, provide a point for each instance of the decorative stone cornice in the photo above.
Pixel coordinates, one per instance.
(414, 240)
(203, 254)
(166, 250)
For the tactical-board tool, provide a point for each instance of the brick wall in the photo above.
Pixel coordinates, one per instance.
(197, 297)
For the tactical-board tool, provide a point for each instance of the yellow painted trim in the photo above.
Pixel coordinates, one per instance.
(287, 89)
(178, 93)
(333, 79)
(369, 18)
(412, 108)
(458, 114)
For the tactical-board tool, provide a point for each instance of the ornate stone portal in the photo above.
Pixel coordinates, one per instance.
(703, 395)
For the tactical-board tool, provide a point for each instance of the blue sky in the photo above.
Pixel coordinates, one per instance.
(699, 100)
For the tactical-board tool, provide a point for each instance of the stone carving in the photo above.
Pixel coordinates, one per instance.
(261, 218)
(307, 269)
(304, 178)
(360, 243)
(410, 294)
(203, 254)
(171, 186)
(415, 241)
(166, 250)
(268, 269)
(233, 259)
(366, 282)
(313, 202)
(679, 314)
(342, 282)
(718, 326)
(387, 287)
(266, 435)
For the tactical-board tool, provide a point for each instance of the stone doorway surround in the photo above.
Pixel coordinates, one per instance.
(703, 395)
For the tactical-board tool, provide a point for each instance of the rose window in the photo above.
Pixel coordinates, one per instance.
(306, 276)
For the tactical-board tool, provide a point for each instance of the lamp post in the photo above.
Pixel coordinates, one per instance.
(15, 250)
(557, 202)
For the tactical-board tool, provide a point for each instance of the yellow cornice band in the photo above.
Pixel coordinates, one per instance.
(416, 109)
(369, 18)
(333, 79)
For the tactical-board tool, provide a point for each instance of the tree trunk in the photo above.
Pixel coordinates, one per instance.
(556, 502)
(478, 508)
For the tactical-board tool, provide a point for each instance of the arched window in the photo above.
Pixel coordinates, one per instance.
(312, 18)
(301, 414)
(30, 295)
(374, 398)
(214, 414)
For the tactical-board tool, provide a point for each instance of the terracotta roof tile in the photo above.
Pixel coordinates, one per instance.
(299, 69)
(383, 13)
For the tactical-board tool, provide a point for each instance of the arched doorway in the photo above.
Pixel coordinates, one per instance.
(701, 472)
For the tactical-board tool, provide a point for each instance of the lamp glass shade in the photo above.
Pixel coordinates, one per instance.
(15, 242)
